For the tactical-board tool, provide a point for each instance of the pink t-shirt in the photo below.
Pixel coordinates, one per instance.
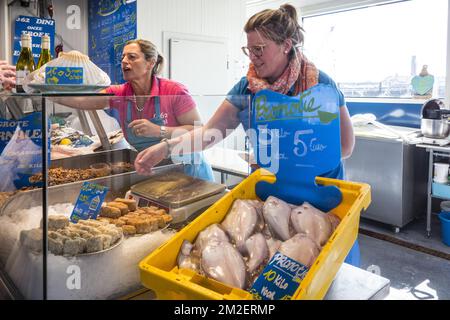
(174, 101)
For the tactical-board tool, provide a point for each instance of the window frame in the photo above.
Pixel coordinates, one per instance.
(330, 7)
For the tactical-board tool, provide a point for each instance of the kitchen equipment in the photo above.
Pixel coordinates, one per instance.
(434, 122)
(180, 194)
(441, 172)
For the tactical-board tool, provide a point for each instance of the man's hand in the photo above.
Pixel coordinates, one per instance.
(144, 128)
(7, 75)
(150, 157)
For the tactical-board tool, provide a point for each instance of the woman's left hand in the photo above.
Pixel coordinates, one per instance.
(145, 128)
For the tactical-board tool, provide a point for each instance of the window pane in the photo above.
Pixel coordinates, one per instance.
(375, 51)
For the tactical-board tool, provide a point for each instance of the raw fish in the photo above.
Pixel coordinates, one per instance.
(313, 222)
(257, 250)
(186, 259)
(276, 214)
(301, 249)
(241, 222)
(224, 263)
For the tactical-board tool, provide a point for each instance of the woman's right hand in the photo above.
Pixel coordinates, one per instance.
(150, 157)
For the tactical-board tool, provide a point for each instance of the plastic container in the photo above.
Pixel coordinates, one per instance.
(444, 216)
(100, 169)
(160, 273)
(441, 190)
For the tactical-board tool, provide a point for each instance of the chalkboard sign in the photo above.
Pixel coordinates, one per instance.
(111, 24)
(36, 28)
(298, 138)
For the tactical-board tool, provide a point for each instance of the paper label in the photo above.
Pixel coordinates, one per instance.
(20, 76)
(89, 202)
(64, 75)
(279, 280)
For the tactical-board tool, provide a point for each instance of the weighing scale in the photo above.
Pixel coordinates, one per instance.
(179, 194)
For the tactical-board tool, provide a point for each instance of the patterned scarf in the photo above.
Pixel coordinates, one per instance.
(300, 72)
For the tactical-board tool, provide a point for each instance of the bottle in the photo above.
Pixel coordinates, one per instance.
(45, 51)
(25, 63)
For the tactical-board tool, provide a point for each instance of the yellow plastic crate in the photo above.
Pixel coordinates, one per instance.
(159, 270)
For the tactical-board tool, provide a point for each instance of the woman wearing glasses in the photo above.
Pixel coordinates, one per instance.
(274, 38)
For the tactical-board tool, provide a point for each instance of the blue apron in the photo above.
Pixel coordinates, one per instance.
(196, 165)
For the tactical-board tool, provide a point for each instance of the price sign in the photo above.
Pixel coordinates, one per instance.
(279, 280)
(89, 202)
(36, 28)
(298, 138)
(21, 151)
(63, 75)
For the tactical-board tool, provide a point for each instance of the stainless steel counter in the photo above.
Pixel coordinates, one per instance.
(392, 168)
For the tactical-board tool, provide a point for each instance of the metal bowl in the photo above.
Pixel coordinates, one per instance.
(437, 129)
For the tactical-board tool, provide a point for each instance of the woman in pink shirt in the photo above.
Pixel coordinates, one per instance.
(150, 108)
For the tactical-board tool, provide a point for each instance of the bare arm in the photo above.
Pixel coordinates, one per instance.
(84, 103)
(186, 121)
(347, 135)
(226, 117)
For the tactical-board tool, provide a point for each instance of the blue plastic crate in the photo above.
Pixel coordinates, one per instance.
(441, 190)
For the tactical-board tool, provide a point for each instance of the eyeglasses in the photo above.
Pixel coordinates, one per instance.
(257, 51)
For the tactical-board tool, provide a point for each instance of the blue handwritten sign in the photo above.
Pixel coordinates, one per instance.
(63, 75)
(89, 202)
(111, 24)
(279, 280)
(21, 151)
(36, 27)
(298, 138)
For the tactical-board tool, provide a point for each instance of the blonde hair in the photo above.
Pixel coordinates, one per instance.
(150, 53)
(277, 25)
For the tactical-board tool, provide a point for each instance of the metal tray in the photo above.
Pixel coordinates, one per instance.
(175, 189)
(118, 185)
(84, 161)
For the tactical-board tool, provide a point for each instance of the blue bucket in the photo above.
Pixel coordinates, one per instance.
(445, 227)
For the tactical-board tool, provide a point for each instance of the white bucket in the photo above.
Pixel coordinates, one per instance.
(441, 172)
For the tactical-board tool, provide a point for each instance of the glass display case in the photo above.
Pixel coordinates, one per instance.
(75, 215)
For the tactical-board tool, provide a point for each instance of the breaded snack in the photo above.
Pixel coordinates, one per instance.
(167, 218)
(143, 226)
(111, 212)
(56, 222)
(94, 244)
(32, 239)
(132, 205)
(122, 206)
(72, 247)
(132, 221)
(160, 212)
(55, 246)
(128, 230)
(105, 219)
(53, 235)
(114, 234)
(61, 237)
(70, 233)
(154, 223)
(139, 211)
(107, 241)
(92, 223)
(132, 214)
(160, 220)
(118, 222)
(85, 234)
(145, 216)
